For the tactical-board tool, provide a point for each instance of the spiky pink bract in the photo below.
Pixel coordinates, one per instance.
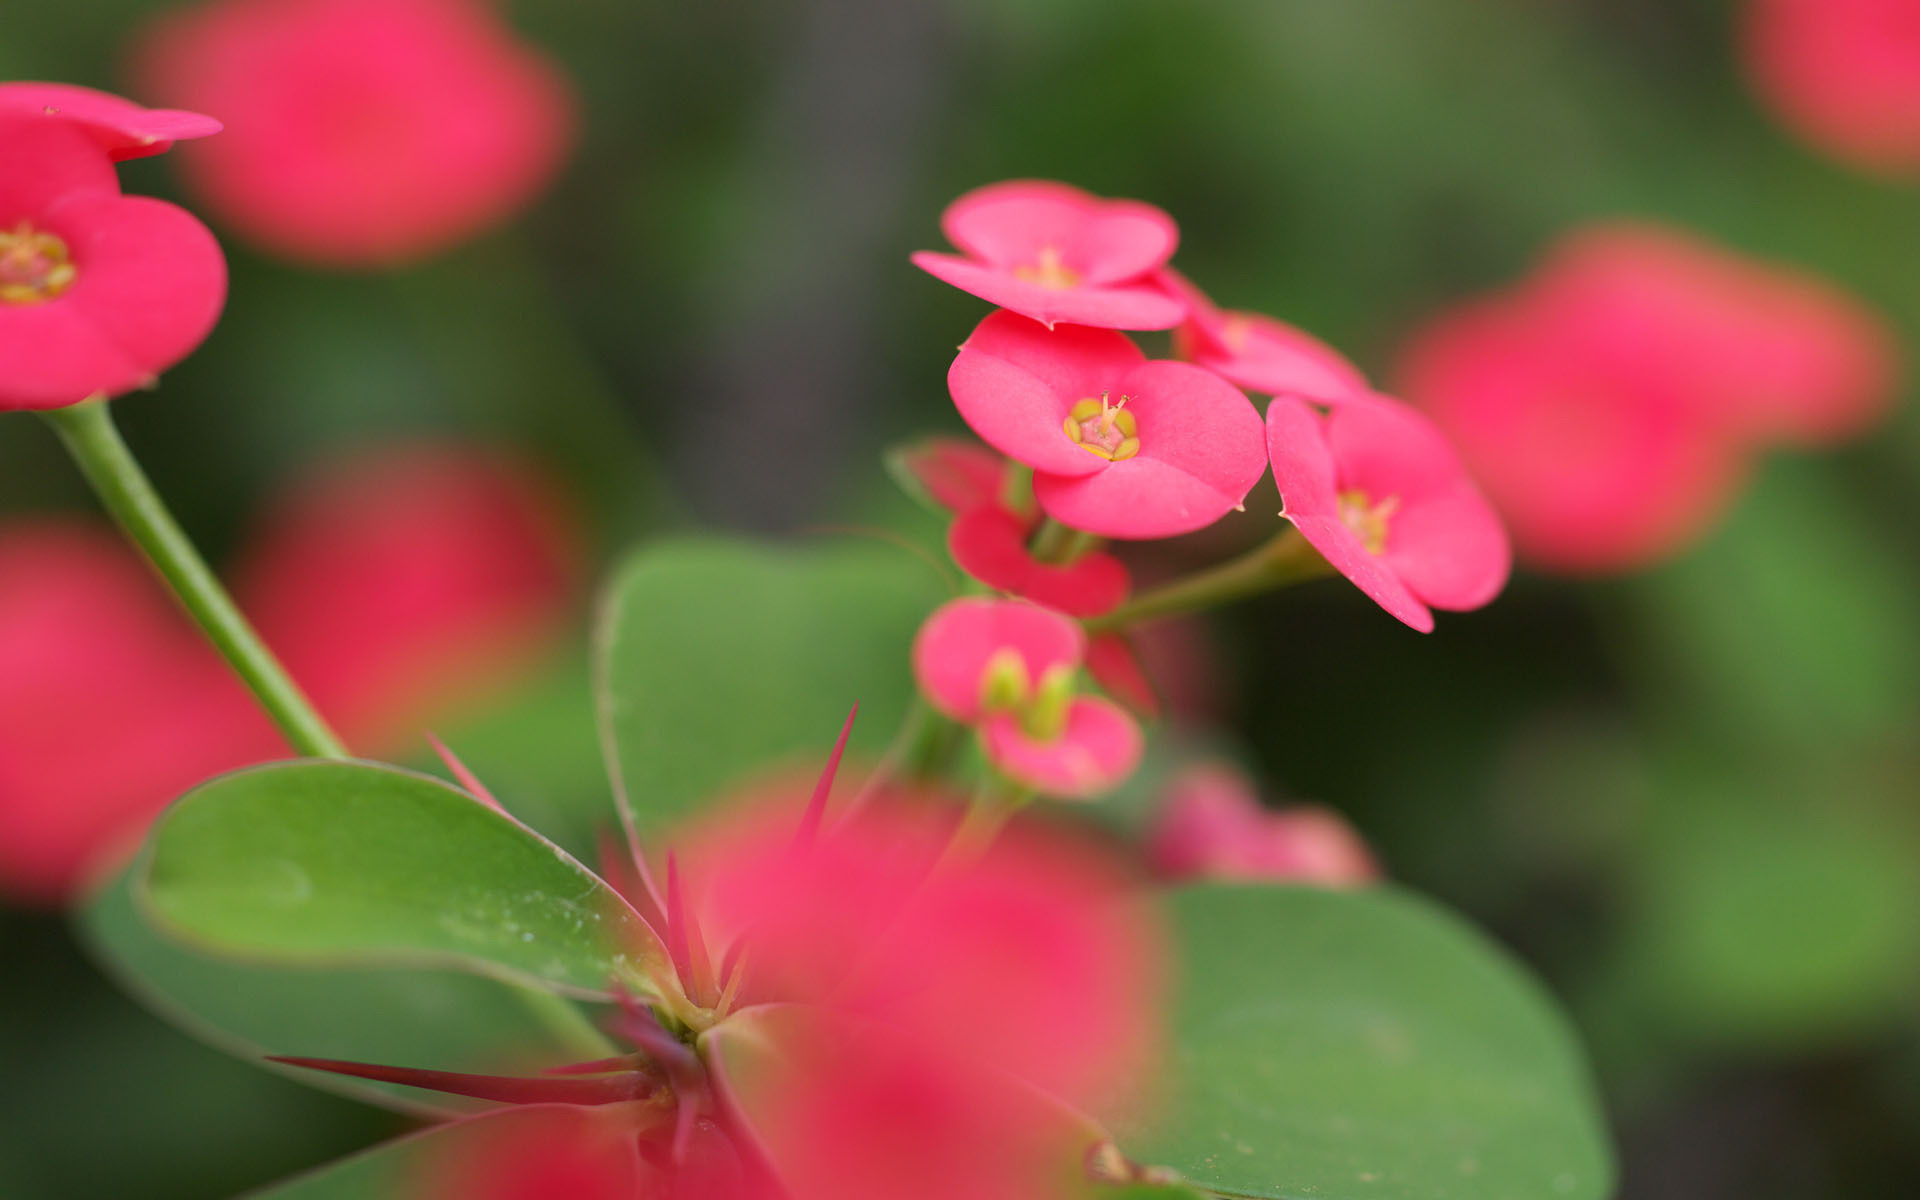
(990, 543)
(1843, 74)
(99, 292)
(362, 132)
(1610, 402)
(1057, 254)
(1379, 492)
(1198, 453)
(1260, 353)
(1211, 825)
(119, 126)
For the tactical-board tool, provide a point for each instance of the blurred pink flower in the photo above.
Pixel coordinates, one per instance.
(1259, 353)
(1057, 254)
(1008, 668)
(1844, 74)
(1609, 403)
(99, 292)
(394, 585)
(1120, 446)
(956, 473)
(1211, 825)
(990, 544)
(362, 132)
(1379, 492)
(120, 127)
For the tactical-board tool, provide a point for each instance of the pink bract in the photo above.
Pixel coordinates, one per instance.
(1097, 750)
(956, 473)
(362, 132)
(952, 650)
(1211, 824)
(1259, 353)
(1843, 74)
(1379, 492)
(990, 544)
(1057, 254)
(1185, 443)
(120, 127)
(99, 292)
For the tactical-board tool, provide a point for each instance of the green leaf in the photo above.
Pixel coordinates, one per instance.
(440, 1019)
(356, 863)
(1364, 1044)
(721, 659)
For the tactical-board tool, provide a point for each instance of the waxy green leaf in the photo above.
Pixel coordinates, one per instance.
(721, 659)
(354, 863)
(444, 1019)
(1332, 1045)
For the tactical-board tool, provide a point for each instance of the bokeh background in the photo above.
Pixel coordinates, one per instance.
(1688, 795)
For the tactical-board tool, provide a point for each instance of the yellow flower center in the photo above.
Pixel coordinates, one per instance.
(1048, 271)
(1108, 430)
(34, 267)
(1367, 518)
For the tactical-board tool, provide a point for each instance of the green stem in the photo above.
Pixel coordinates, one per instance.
(124, 490)
(1057, 543)
(1284, 559)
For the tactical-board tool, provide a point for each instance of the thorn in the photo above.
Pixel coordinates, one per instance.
(599, 1066)
(817, 806)
(507, 1089)
(467, 779)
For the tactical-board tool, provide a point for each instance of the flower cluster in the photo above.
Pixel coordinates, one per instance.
(1100, 441)
(1610, 402)
(396, 585)
(99, 292)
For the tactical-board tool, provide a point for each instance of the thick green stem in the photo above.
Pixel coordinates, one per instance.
(1284, 559)
(123, 488)
(1057, 543)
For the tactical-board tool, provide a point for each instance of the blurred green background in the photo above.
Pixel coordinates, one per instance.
(1691, 798)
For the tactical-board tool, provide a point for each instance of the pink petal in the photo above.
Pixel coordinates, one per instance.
(1014, 382)
(1007, 225)
(990, 544)
(951, 651)
(47, 161)
(120, 127)
(1384, 448)
(1450, 550)
(956, 473)
(1121, 306)
(1212, 825)
(1273, 358)
(1370, 573)
(1136, 499)
(1843, 74)
(1117, 669)
(1099, 749)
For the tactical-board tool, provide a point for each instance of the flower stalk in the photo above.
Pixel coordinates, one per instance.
(1286, 558)
(129, 497)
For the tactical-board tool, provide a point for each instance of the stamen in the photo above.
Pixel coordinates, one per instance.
(1049, 270)
(1103, 427)
(34, 266)
(1366, 518)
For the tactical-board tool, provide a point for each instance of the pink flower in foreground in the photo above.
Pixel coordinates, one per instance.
(1057, 254)
(1379, 492)
(1120, 446)
(875, 1013)
(1845, 74)
(410, 581)
(362, 132)
(120, 127)
(398, 587)
(99, 292)
(1212, 825)
(1610, 402)
(1008, 668)
(1259, 353)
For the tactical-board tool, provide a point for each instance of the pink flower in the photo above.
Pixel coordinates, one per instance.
(1056, 254)
(362, 132)
(1844, 74)
(990, 544)
(397, 587)
(120, 127)
(1212, 825)
(1120, 446)
(1610, 402)
(411, 580)
(99, 292)
(1379, 492)
(1007, 668)
(1258, 353)
(955, 473)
